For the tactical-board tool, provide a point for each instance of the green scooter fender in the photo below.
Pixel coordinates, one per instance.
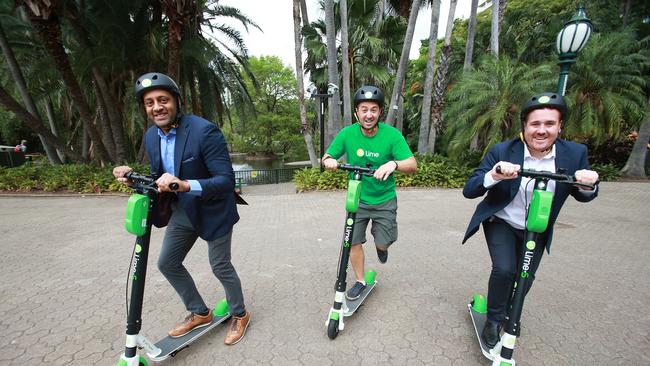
(354, 196)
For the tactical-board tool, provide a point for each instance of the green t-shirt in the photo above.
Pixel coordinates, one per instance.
(386, 145)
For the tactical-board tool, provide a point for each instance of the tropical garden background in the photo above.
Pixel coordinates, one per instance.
(66, 82)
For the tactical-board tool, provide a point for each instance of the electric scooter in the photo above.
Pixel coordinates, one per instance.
(341, 307)
(537, 216)
(138, 223)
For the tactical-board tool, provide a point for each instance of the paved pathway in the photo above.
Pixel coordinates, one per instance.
(64, 261)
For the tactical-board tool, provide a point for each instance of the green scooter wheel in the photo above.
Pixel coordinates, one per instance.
(142, 362)
(333, 328)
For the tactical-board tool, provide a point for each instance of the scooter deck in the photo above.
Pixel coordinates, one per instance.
(170, 346)
(353, 305)
(479, 319)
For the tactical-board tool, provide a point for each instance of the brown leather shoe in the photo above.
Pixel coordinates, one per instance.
(237, 329)
(190, 323)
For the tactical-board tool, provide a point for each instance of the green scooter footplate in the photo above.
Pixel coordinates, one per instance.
(169, 345)
(479, 319)
(353, 305)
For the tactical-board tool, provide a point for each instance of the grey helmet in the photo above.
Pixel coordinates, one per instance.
(369, 93)
(544, 100)
(156, 80)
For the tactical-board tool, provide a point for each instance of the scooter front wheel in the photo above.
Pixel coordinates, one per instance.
(333, 328)
(141, 362)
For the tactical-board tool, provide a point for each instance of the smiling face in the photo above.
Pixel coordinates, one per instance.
(368, 115)
(161, 108)
(541, 129)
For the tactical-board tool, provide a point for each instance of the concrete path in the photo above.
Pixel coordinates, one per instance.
(64, 262)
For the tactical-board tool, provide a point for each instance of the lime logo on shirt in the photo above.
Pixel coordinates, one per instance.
(360, 152)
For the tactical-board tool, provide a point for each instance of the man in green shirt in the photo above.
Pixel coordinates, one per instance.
(372, 143)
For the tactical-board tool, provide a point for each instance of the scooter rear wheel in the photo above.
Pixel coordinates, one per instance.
(333, 328)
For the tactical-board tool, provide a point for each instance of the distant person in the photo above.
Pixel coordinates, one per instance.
(22, 147)
(383, 148)
(503, 210)
(191, 151)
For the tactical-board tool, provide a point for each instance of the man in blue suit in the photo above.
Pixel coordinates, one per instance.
(192, 152)
(502, 212)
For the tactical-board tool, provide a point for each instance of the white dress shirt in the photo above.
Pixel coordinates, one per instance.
(515, 213)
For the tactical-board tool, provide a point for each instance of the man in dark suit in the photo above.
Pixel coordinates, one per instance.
(502, 212)
(192, 152)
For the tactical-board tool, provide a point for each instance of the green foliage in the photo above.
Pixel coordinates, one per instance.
(486, 101)
(433, 171)
(606, 99)
(79, 178)
(607, 172)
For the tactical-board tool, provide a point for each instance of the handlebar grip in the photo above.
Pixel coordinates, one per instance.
(173, 186)
(498, 169)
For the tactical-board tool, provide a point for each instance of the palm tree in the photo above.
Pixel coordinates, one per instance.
(334, 115)
(306, 130)
(471, 33)
(606, 98)
(45, 20)
(24, 93)
(441, 81)
(401, 70)
(345, 63)
(635, 165)
(425, 120)
(494, 35)
(488, 99)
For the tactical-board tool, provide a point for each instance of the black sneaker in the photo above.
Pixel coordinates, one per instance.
(382, 255)
(355, 291)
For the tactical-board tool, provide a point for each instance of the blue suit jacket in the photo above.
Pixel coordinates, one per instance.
(200, 153)
(568, 155)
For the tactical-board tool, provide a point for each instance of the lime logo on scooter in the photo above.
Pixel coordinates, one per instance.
(348, 229)
(136, 258)
(528, 256)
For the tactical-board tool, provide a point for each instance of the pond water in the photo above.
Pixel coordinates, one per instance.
(244, 162)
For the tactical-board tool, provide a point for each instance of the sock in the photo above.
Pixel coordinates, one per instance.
(362, 282)
(241, 315)
(204, 314)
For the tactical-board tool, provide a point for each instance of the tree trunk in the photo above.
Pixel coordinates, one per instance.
(502, 11)
(173, 47)
(494, 35)
(49, 32)
(345, 66)
(49, 111)
(635, 166)
(441, 81)
(334, 115)
(401, 70)
(17, 75)
(34, 123)
(471, 33)
(306, 131)
(626, 12)
(115, 141)
(399, 119)
(425, 115)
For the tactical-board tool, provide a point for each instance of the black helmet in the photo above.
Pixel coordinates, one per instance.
(369, 93)
(544, 100)
(156, 80)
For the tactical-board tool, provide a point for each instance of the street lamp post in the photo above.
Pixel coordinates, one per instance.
(572, 39)
(320, 112)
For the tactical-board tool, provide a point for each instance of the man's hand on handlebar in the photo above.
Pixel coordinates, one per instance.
(385, 170)
(167, 179)
(329, 162)
(585, 176)
(119, 173)
(506, 171)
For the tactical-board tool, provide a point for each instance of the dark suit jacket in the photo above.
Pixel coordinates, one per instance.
(200, 153)
(568, 155)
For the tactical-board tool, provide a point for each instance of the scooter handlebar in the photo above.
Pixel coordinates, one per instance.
(359, 169)
(558, 177)
(147, 180)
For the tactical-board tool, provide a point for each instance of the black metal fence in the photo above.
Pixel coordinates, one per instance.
(265, 176)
